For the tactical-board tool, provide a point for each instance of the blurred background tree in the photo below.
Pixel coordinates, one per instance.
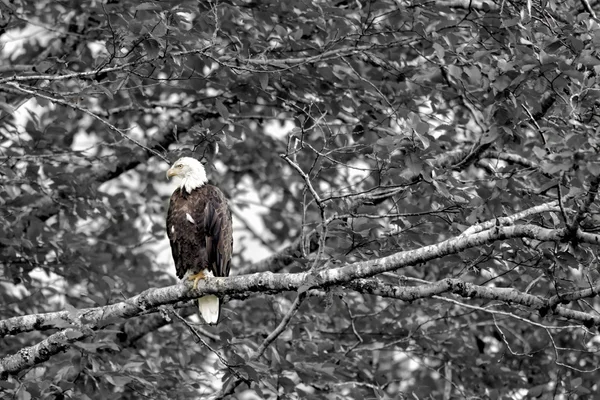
(346, 131)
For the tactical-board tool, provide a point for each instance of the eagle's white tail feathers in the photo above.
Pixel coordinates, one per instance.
(210, 308)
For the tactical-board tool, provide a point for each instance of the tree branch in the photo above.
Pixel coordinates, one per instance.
(267, 281)
(150, 299)
(471, 290)
(511, 219)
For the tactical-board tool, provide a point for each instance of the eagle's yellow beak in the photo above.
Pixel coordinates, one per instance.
(171, 172)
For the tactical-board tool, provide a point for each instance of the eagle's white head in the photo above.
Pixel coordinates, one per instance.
(191, 172)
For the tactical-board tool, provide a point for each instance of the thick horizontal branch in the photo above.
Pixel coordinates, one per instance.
(471, 290)
(267, 281)
(148, 300)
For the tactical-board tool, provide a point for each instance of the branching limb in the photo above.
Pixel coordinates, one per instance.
(320, 204)
(306, 178)
(262, 282)
(150, 299)
(470, 290)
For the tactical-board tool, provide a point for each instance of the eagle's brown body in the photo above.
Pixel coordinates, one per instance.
(200, 232)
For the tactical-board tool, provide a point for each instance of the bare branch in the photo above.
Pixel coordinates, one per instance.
(306, 180)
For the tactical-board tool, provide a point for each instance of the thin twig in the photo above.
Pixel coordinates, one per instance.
(533, 121)
(508, 314)
(281, 327)
(265, 344)
(589, 9)
(209, 347)
(561, 205)
(306, 180)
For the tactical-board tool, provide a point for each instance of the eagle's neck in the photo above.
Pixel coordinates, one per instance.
(193, 181)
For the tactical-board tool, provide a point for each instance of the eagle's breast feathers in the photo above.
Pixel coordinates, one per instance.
(199, 229)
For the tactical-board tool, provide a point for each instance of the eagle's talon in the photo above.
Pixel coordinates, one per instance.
(196, 278)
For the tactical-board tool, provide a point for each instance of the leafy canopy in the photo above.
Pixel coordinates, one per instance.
(348, 133)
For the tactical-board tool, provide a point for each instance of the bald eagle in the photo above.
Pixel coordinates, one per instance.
(199, 229)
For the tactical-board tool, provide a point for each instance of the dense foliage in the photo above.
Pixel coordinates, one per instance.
(352, 136)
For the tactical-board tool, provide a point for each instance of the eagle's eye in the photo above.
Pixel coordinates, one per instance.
(179, 166)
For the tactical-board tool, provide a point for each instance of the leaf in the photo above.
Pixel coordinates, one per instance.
(110, 281)
(594, 168)
(250, 372)
(422, 128)
(133, 365)
(101, 301)
(118, 380)
(303, 288)
(73, 333)
(59, 323)
(490, 136)
(152, 48)
(439, 50)
(221, 109)
(24, 395)
(90, 347)
(6, 108)
(72, 311)
(236, 359)
(44, 66)
(263, 78)
(275, 356)
(149, 5)
(105, 90)
(424, 140)
(441, 188)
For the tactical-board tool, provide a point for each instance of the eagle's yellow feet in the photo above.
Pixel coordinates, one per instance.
(196, 278)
